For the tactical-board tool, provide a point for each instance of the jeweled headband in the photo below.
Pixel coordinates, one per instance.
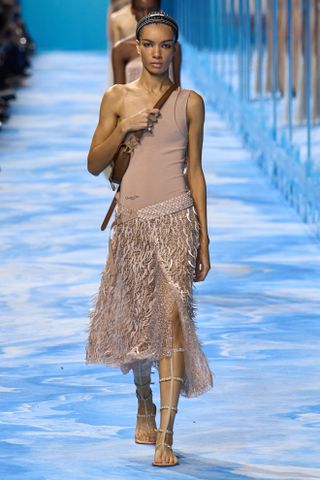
(157, 17)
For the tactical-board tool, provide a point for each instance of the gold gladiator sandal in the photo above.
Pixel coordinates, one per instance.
(149, 414)
(170, 387)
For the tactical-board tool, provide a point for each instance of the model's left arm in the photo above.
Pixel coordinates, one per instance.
(196, 180)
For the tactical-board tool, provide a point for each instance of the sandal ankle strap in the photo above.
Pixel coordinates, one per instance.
(163, 445)
(141, 398)
(142, 384)
(145, 415)
(163, 407)
(161, 430)
(165, 379)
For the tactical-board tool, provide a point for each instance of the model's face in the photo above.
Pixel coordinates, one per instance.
(144, 7)
(156, 47)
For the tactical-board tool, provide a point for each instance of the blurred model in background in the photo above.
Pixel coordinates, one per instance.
(121, 24)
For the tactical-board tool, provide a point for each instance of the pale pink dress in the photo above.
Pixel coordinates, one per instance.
(152, 258)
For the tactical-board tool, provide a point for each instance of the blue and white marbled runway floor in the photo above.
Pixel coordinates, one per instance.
(258, 311)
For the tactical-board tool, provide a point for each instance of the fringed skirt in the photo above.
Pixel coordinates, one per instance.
(149, 271)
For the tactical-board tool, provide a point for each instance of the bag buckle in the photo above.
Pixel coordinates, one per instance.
(130, 144)
(127, 148)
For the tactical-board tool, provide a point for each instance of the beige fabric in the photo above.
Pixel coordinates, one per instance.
(156, 169)
(149, 270)
(133, 69)
(151, 261)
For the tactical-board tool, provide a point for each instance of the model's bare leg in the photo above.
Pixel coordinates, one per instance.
(171, 373)
(146, 424)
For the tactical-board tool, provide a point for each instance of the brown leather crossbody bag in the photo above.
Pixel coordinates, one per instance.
(120, 161)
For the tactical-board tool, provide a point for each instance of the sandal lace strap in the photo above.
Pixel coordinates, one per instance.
(163, 445)
(138, 394)
(145, 415)
(161, 430)
(163, 407)
(165, 379)
(142, 384)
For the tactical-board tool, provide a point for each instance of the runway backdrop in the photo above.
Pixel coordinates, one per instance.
(66, 24)
(69, 24)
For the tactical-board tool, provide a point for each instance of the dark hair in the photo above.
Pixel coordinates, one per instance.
(133, 3)
(156, 18)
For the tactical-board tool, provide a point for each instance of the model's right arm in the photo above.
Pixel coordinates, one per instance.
(110, 29)
(118, 64)
(112, 129)
(115, 28)
(108, 134)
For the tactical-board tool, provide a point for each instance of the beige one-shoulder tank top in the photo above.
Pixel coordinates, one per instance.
(156, 170)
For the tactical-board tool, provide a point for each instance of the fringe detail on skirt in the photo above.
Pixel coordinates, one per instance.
(149, 270)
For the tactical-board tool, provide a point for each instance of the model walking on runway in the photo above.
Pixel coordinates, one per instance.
(144, 312)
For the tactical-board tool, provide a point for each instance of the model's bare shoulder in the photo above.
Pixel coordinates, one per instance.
(122, 45)
(195, 107)
(195, 100)
(122, 52)
(118, 46)
(116, 90)
(119, 51)
(113, 98)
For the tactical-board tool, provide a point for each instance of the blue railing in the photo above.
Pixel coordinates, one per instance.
(259, 62)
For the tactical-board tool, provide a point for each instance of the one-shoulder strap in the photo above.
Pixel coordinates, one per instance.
(162, 100)
(180, 111)
(165, 96)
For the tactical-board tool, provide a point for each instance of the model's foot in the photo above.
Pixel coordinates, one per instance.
(164, 455)
(146, 424)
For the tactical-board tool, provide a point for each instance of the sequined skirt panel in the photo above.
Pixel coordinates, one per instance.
(149, 270)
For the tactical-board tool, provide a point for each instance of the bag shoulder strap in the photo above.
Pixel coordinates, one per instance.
(162, 100)
(165, 96)
(110, 211)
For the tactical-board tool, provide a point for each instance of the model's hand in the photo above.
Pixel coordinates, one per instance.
(145, 119)
(203, 263)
